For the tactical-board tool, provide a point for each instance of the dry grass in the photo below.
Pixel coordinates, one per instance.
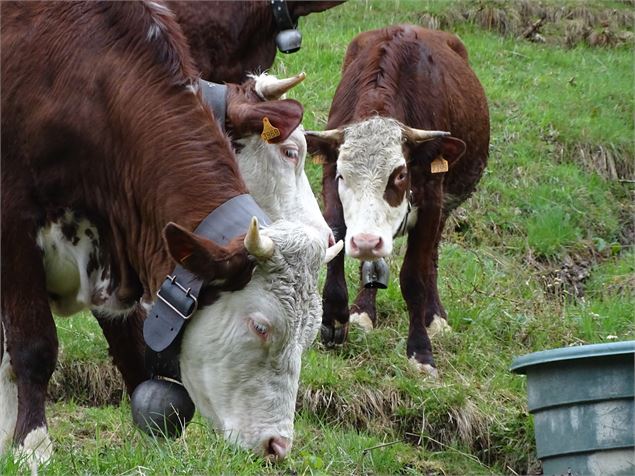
(86, 383)
(609, 161)
(570, 25)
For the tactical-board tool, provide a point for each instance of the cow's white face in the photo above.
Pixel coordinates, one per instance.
(373, 186)
(274, 174)
(241, 356)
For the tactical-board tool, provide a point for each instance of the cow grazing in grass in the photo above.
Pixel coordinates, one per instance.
(230, 39)
(105, 147)
(390, 169)
(274, 174)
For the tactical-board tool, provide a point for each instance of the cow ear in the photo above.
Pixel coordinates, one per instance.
(438, 155)
(203, 257)
(452, 149)
(249, 119)
(324, 144)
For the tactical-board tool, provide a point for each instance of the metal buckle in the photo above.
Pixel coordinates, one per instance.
(187, 294)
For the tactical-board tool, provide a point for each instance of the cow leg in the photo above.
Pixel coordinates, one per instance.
(335, 303)
(363, 311)
(418, 285)
(30, 353)
(335, 315)
(126, 345)
(436, 317)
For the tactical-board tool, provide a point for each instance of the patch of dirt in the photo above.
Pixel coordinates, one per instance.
(569, 25)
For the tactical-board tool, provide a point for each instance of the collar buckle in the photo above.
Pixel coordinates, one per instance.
(182, 302)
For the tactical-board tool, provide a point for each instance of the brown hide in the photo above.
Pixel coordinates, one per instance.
(421, 78)
(97, 117)
(229, 39)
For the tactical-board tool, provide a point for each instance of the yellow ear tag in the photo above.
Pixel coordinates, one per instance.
(439, 165)
(268, 131)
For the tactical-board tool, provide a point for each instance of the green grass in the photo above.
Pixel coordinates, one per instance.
(540, 204)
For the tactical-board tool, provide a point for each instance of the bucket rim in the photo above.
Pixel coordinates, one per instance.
(520, 364)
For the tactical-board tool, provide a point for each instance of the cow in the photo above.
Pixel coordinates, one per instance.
(273, 172)
(391, 167)
(229, 40)
(110, 160)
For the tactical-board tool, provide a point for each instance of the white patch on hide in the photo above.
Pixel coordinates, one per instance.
(371, 151)
(362, 320)
(36, 449)
(66, 260)
(438, 326)
(8, 401)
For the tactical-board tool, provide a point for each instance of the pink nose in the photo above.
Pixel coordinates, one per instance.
(364, 244)
(277, 448)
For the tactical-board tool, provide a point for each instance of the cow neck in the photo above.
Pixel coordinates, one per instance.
(177, 298)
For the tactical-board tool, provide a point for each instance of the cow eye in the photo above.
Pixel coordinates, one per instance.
(291, 153)
(259, 328)
(401, 177)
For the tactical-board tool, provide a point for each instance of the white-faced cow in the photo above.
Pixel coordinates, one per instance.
(389, 168)
(273, 171)
(230, 39)
(104, 149)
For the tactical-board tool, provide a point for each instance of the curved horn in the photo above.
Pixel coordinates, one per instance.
(333, 251)
(256, 245)
(275, 88)
(331, 135)
(420, 135)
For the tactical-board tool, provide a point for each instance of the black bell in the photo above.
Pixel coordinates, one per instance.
(161, 408)
(375, 274)
(289, 41)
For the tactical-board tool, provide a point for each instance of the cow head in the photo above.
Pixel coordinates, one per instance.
(260, 309)
(375, 159)
(273, 170)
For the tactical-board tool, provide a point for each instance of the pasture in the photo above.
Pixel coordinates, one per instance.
(540, 257)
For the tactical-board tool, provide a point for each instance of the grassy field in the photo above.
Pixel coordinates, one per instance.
(540, 257)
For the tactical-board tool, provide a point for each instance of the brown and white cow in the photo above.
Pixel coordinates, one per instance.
(390, 169)
(104, 146)
(228, 40)
(274, 174)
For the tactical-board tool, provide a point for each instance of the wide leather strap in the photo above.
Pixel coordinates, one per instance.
(177, 299)
(215, 96)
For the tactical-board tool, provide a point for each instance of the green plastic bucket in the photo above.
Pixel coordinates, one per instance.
(582, 402)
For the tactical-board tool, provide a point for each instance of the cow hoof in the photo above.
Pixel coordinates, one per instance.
(438, 326)
(362, 320)
(425, 369)
(36, 449)
(336, 335)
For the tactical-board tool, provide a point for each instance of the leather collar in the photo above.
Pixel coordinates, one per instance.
(215, 96)
(177, 299)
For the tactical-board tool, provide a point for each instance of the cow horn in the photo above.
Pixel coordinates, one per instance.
(420, 135)
(333, 251)
(276, 88)
(331, 135)
(256, 245)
